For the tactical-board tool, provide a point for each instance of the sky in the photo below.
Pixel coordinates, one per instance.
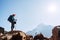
(29, 13)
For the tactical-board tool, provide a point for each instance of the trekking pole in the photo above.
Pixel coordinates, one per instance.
(15, 23)
(15, 28)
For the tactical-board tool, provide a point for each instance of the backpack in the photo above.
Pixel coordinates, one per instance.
(10, 18)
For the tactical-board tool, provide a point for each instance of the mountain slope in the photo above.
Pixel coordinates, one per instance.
(46, 30)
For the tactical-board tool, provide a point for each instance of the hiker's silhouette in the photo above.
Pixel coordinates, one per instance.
(12, 20)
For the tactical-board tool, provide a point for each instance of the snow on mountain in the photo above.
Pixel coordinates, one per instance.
(46, 30)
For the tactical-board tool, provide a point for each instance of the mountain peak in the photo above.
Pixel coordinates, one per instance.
(46, 30)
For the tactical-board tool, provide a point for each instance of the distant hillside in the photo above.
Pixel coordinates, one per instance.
(46, 30)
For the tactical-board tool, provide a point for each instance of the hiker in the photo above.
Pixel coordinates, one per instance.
(12, 20)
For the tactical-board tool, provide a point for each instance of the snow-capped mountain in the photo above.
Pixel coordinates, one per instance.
(46, 30)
